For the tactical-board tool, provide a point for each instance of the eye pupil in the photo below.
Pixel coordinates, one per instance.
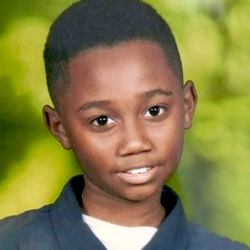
(154, 111)
(102, 121)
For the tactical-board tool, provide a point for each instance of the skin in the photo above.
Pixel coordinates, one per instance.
(124, 109)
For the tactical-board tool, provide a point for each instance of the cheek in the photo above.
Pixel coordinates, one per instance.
(93, 152)
(169, 138)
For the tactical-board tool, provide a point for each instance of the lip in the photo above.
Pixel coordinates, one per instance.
(138, 178)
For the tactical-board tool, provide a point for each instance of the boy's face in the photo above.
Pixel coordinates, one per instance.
(124, 115)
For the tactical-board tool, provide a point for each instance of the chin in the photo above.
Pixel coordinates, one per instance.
(141, 193)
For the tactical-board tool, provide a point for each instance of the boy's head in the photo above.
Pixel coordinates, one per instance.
(115, 75)
(97, 23)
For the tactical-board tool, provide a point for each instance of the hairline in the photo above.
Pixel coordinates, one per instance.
(63, 80)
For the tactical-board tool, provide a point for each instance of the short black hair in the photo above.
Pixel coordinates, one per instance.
(95, 23)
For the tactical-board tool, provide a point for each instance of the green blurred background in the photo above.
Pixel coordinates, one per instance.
(213, 176)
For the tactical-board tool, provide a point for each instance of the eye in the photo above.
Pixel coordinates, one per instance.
(155, 111)
(102, 121)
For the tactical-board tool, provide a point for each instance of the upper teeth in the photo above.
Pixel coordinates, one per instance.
(138, 171)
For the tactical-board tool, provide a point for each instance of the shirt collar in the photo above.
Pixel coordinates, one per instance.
(72, 233)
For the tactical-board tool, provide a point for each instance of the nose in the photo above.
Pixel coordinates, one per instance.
(134, 140)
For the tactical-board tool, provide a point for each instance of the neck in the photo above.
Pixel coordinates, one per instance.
(147, 212)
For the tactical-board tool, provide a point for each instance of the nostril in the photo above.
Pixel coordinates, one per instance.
(134, 146)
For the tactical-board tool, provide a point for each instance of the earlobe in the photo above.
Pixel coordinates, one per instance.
(190, 100)
(53, 122)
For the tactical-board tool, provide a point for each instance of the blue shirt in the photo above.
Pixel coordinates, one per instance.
(60, 226)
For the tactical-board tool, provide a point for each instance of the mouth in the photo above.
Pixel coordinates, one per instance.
(138, 175)
(138, 170)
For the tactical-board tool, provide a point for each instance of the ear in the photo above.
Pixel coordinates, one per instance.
(53, 122)
(190, 100)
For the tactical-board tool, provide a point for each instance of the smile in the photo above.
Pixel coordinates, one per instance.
(139, 170)
(138, 176)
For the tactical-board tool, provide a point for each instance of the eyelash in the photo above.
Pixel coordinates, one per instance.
(95, 121)
(156, 108)
(105, 118)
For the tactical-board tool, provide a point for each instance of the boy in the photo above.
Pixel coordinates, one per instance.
(115, 77)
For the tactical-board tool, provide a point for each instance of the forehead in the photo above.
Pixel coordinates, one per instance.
(133, 55)
(128, 68)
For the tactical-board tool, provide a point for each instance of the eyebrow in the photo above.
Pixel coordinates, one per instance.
(106, 103)
(94, 104)
(152, 93)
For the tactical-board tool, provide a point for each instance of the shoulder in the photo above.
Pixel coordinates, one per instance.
(14, 227)
(185, 233)
(200, 238)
